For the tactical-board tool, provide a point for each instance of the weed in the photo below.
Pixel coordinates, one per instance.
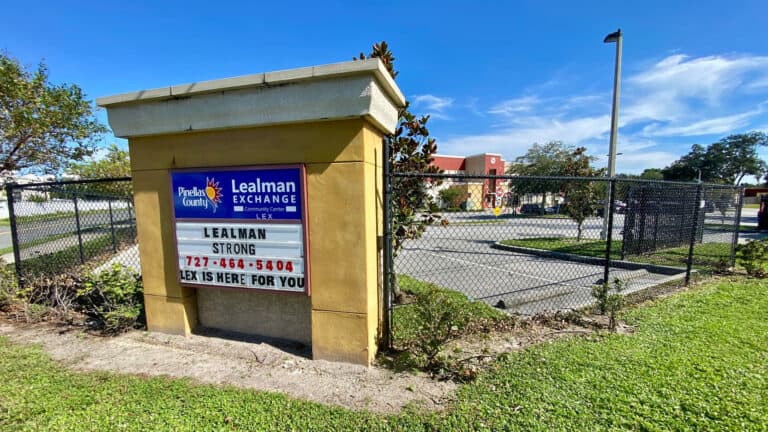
(609, 300)
(112, 299)
(753, 256)
(8, 285)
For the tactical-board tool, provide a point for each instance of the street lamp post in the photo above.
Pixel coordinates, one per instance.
(613, 37)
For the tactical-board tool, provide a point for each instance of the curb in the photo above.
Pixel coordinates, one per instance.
(629, 265)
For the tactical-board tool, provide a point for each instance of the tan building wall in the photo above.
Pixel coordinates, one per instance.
(331, 118)
(341, 317)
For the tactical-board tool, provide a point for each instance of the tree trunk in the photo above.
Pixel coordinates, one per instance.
(578, 232)
(741, 176)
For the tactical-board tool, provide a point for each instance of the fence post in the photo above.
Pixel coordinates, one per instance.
(112, 225)
(79, 231)
(609, 233)
(735, 240)
(130, 214)
(655, 226)
(14, 232)
(388, 261)
(694, 230)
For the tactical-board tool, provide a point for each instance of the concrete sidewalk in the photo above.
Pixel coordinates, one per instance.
(53, 246)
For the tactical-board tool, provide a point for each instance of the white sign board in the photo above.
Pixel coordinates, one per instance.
(242, 255)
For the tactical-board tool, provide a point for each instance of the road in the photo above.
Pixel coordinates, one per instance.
(31, 230)
(5, 237)
(44, 235)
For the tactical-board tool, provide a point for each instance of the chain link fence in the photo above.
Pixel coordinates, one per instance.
(540, 244)
(59, 226)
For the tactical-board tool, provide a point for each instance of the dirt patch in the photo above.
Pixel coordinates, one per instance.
(212, 359)
(257, 366)
(478, 351)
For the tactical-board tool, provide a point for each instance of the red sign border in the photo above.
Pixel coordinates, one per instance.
(304, 223)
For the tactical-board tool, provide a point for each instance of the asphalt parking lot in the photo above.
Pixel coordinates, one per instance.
(459, 256)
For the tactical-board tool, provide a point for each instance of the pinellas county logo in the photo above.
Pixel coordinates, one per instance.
(211, 195)
(213, 192)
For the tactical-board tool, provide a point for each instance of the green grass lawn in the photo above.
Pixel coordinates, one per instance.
(36, 242)
(476, 222)
(697, 361)
(5, 222)
(706, 255)
(752, 206)
(729, 227)
(69, 257)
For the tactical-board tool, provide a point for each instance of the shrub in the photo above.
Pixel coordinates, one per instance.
(37, 198)
(8, 286)
(451, 197)
(440, 319)
(51, 290)
(753, 256)
(57, 292)
(112, 299)
(32, 313)
(609, 300)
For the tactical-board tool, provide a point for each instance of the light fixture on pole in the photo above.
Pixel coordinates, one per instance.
(611, 38)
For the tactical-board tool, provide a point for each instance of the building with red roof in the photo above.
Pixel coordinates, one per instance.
(481, 193)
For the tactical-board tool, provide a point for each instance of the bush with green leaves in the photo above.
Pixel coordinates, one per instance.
(113, 299)
(441, 317)
(37, 198)
(8, 286)
(451, 197)
(609, 300)
(753, 256)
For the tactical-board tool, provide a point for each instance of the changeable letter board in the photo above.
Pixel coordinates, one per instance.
(241, 228)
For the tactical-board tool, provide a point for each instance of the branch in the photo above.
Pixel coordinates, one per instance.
(476, 357)
(19, 143)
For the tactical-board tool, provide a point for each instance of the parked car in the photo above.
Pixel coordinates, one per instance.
(618, 208)
(531, 209)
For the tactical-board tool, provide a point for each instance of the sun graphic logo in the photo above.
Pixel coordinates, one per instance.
(213, 192)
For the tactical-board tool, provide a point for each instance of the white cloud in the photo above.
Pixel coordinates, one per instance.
(433, 105)
(99, 154)
(515, 106)
(758, 84)
(514, 141)
(678, 88)
(719, 125)
(676, 97)
(635, 163)
(705, 78)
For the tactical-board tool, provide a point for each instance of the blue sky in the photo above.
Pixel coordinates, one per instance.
(495, 76)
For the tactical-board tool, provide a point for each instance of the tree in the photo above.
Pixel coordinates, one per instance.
(116, 163)
(688, 167)
(652, 174)
(43, 126)
(540, 160)
(451, 197)
(581, 195)
(727, 161)
(411, 150)
(736, 155)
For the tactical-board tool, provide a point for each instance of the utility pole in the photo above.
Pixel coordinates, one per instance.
(611, 38)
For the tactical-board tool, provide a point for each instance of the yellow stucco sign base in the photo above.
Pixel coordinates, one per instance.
(329, 118)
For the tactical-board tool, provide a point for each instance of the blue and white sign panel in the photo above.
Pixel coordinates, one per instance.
(242, 228)
(262, 194)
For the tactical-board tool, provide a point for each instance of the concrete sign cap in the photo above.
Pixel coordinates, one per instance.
(345, 90)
